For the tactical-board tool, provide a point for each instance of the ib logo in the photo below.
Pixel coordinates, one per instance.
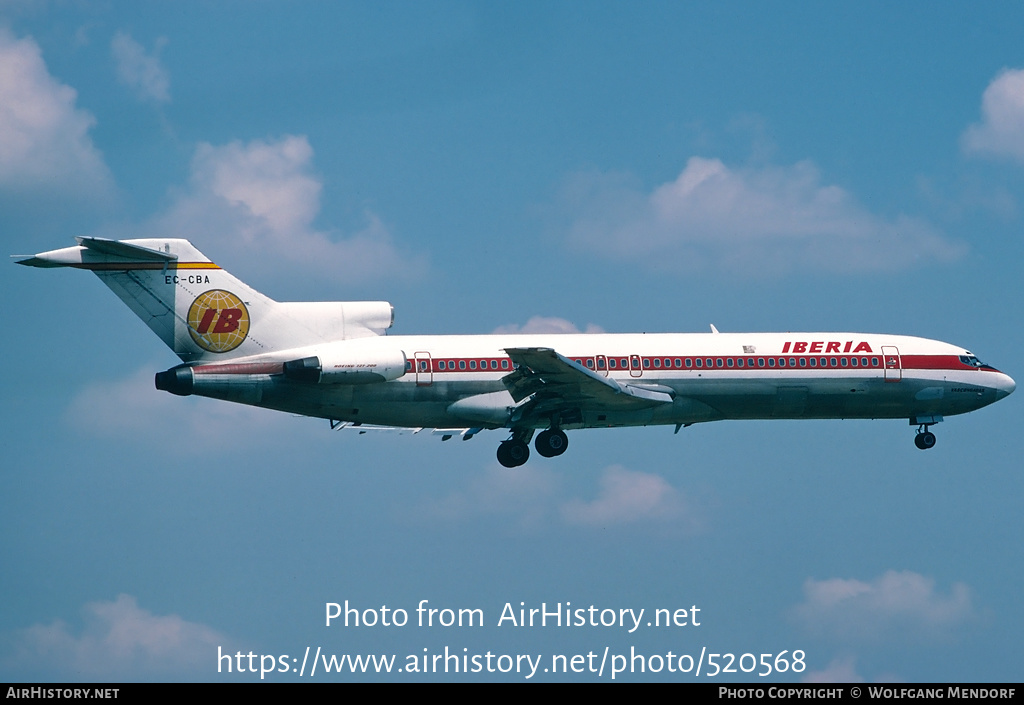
(218, 321)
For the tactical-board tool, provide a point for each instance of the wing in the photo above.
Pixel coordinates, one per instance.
(552, 383)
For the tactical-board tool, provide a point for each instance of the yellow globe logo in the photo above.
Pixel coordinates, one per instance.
(218, 321)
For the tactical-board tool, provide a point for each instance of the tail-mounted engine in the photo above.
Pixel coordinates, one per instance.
(343, 366)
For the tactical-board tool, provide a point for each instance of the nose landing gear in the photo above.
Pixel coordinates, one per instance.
(924, 439)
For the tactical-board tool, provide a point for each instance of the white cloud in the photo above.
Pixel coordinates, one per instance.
(271, 180)
(258, 201)
(524, 495)
(546, 324)
(139, 70)
(119, 639)
(44, 138)
(897, 604)
(1001, 130)
(533, 497)
(765, 222)
(628, 497)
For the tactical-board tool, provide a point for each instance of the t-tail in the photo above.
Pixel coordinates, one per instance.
(203, 313)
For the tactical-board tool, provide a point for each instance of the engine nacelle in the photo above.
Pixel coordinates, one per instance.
(492, 408)
(347, 366)
(177, 380)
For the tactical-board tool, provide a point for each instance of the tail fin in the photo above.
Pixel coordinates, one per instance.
(201, 311)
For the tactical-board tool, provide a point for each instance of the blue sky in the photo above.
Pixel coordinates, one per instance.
(486, 166)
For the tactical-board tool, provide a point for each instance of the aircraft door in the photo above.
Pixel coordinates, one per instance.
(635, 366)
(424, 369)
(601, 365)
(892, 364)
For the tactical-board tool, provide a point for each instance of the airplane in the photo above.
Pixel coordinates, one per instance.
(334, 360)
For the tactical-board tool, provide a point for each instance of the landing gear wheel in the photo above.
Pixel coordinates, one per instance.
(925, 440)
(513, 453)
(551, 443)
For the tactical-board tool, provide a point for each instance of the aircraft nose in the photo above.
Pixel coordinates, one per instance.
(1005, 386)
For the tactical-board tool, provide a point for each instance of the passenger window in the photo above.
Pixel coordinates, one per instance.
(689, 362)
(679, 363)
(700, 362)
(462, 364)
(472, 364)
(504, 364)
(647, 362)
(803, 362)
(792, 362)
(657, 362)
(590, 362)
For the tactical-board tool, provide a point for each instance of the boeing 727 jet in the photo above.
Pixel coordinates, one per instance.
(332, 360)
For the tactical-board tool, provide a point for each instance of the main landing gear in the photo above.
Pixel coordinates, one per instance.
(516, 450)
(924, 439)
(513, 452)
(551, 442)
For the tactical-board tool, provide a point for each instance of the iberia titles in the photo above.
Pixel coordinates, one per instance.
(820, 346)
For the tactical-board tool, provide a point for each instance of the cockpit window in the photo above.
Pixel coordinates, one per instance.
(971, 360)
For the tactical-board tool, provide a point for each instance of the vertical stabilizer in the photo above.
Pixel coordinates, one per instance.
(201, 311)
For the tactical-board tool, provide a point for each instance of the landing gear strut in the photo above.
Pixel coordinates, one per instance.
(925, 439)
(551, 442)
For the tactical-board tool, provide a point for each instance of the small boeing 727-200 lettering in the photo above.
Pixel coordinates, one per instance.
(332, 360)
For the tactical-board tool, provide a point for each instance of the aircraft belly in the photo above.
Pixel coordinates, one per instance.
(808, 398)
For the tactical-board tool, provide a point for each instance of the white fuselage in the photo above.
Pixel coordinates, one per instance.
(711, 377)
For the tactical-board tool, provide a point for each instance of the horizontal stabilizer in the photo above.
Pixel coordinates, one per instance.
(119, 248)
(95, 251)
